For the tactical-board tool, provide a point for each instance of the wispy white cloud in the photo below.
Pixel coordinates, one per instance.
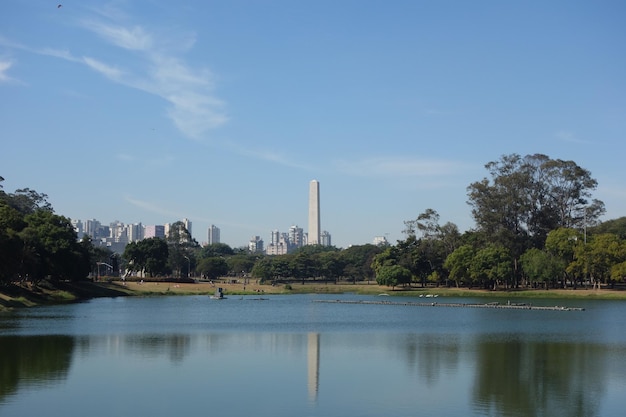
(153, 207)
(150, 63)
(125, 157)
(280, 158)
(570, 137)
(4, 69)
(133, 38)
(155, 162)
(172, 214)
(194, 109)
(398, 167)
(108, 71)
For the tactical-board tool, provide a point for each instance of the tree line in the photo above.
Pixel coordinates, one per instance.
(536, 225)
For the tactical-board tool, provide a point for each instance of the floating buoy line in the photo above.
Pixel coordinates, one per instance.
(508, 306)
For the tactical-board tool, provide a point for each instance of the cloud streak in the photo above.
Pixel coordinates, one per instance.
(153, 65)
(194, 109)
(4, 69)
(398, 167)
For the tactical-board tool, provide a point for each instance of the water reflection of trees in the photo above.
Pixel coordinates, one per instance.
(430, 355)
(33, 360)
(175, 346)
(520, 378)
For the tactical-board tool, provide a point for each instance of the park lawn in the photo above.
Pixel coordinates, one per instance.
(16, 296)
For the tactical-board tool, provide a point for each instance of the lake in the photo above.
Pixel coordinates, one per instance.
(293, 356)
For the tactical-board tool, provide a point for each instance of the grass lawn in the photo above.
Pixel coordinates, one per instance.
(15, 296)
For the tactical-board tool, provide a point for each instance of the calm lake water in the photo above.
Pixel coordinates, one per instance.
(290, 356)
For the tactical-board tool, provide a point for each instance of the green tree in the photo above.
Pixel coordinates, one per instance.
(11, 244)
(27, 201)
(528, 197)
(330, 265)
(540, 266)
(618, 272)
(615, 226)
(490, 266)
(560, 244)
(393, 275)
(216, 249)
(427, 245)
(595, 259)
(52, 248)
(181, 250)
(212, 267)
(241, 263)
(458, 263)
(262, 269)
(147, 256)
(358, 261)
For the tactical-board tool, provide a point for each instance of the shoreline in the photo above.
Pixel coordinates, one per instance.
(20, 296)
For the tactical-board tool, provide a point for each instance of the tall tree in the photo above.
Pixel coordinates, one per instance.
(458, 263)
(529, 196)
(147, 255)
(181, 249)
(11, 244)
(52, 248)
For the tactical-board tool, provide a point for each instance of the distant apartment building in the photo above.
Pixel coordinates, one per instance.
(380, 241)
(78, 228)
(213, 234)
(154, 231)
(280, 244)
(134, 232)
(325, 239)
(275, 237)
(187, 224)
(255, 245)
(296, 236)
(118, 232)
(95, 230)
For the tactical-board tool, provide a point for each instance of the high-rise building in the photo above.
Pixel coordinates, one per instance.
(134, 232)
(255, 245)
(187, 224)
(154, 231)
(92, 228)
(296, 236)
(380, 241)
(275, 237)
(325, 239)
(214, 234)
(78, 227)
(314, 213)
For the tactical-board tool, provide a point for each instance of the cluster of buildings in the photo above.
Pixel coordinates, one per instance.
(117, 235)
(283, 243)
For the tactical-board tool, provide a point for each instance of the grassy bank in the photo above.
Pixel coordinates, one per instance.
(16, 296)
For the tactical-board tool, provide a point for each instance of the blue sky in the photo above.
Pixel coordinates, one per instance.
(223, 111)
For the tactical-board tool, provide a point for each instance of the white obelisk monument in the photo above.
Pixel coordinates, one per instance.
(314, 213)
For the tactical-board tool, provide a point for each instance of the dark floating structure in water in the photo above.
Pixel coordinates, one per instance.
(508, 306)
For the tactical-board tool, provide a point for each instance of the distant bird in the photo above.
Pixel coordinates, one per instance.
(59, 6)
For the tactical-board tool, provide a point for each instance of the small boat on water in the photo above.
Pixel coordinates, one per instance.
(219, 294)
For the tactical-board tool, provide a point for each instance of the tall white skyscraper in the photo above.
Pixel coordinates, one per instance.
(187, 224)
(214, 234)
(314, 213)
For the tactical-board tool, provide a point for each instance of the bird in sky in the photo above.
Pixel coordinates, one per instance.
(59, 6)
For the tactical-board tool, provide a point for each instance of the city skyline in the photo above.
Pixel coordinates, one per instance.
(220, 111)
(119, 233)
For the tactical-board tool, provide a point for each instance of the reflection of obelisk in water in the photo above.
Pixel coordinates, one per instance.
(313, 356)
(314, 213)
